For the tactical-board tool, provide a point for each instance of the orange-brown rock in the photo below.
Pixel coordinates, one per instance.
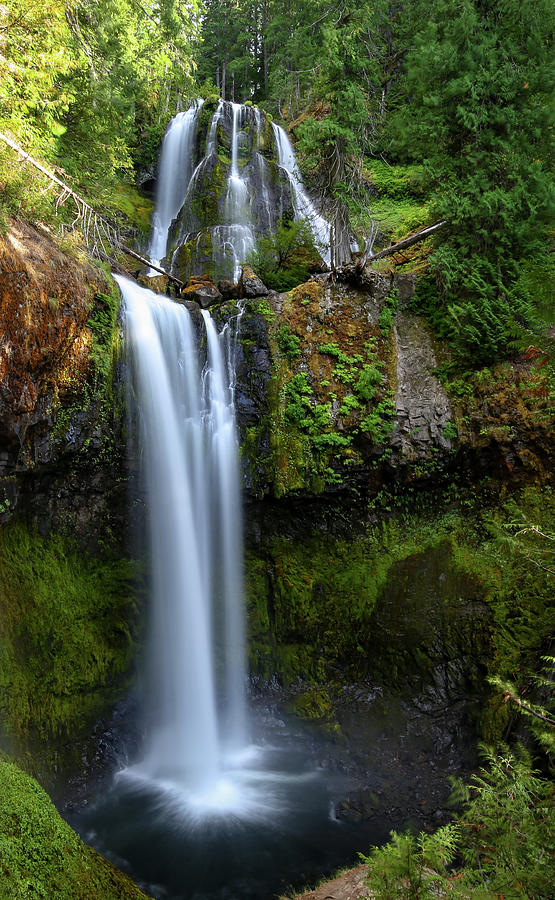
(45, 300)
(202, 291)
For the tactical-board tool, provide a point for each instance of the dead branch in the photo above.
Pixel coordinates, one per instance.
(402, 245)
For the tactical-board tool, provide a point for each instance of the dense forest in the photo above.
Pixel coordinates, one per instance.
(403, 114)
(442, 107)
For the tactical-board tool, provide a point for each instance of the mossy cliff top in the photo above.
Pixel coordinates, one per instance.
(42, 857)
(46, 301)
(342, 386)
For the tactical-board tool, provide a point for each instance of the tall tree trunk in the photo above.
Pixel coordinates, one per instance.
(342, 243)
(341, 221)
(265, 49)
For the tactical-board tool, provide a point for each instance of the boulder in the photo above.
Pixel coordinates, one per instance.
(202, 290)
(228, 289)
(157, 283)
(250, 284)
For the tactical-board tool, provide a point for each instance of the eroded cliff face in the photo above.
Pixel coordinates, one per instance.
(339, 386)
(373, 490)
(56, 319)
(66, 605)
(362, 472)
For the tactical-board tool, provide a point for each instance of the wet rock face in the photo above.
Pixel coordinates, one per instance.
(203, 292)
(215, 228)
(250, 285)
(422, 409)
(45, 304)
(60, 457)
(344, 385)
(347, 395)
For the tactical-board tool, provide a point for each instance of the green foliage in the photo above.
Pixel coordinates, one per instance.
(86, 86)
(283, 260)
(479, 79)
(508, 828)
(505, 837)
(67, 631)
(411, 868)
(368, 381)
(396, 182)
(388, 312)
(289, 344)
(450, 432)
(379, 422)
(346, 367)
(398, 199)
(42, 857)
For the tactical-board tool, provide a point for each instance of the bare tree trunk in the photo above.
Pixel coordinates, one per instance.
(223, 79)
(342, 235)
(341, 224)
(265, 49)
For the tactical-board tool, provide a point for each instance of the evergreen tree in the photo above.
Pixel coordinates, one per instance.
(477, 112)
(85, 83)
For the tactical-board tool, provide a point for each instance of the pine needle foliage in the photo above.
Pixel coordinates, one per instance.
(479, 118)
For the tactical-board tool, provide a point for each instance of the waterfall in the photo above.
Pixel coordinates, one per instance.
(239, 236)
(217, 195)
(188, 448)
(173, 177)
(303, 205)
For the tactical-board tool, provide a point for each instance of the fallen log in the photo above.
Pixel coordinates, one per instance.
(147, 262)
(401, 245)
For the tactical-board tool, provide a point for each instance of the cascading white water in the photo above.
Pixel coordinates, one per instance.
(173, 178)
(220, 219)
(227, 560)
(211, 145)
(189, 451)
(303, 205)
(240, 235)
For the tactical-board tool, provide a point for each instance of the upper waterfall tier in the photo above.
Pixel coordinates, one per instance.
(234, 177)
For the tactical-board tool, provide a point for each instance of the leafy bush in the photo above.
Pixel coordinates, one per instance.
(283, 260)
(289, 344)
(505, 839)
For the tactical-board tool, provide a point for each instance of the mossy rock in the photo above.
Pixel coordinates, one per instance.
(68, 631)
(42, 857)
(313, 704)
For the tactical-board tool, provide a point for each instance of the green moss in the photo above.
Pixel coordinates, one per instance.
(389, 600)
(42, 857)
(312, 704)
(399, 204)
(103, 323)
(67, 634)
(134, 205)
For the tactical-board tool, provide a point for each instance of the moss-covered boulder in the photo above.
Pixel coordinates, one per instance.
(42, 857)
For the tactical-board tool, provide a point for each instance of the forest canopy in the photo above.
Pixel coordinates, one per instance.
(459, 92)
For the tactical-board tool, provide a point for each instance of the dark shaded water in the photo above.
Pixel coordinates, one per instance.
(282, 833)
(308, 801)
